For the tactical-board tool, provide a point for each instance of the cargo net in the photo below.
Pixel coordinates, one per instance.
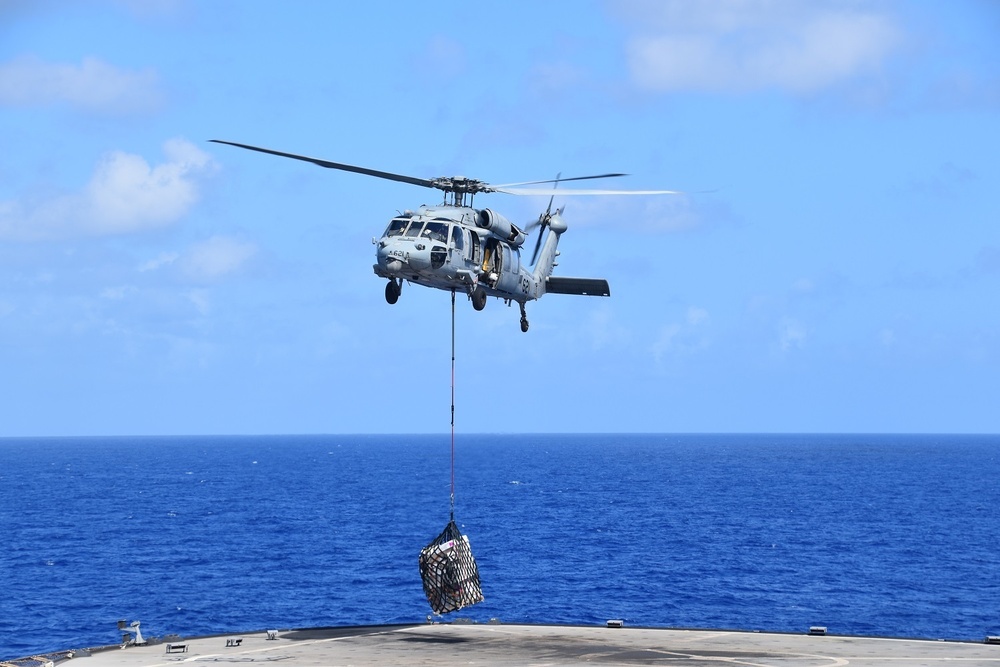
(449, 573)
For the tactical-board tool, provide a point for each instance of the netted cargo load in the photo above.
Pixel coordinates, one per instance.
(449, 572)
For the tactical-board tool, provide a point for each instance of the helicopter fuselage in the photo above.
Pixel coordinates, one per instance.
(457, 248)
(478, 251)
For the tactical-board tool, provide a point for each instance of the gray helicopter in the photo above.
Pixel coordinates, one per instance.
(458, 248)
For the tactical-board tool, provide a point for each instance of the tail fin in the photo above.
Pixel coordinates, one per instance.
(547, 260)
(547, 256)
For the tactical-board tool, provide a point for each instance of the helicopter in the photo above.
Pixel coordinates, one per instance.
(458, 248)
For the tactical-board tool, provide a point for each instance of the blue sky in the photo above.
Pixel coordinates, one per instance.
(833, 266)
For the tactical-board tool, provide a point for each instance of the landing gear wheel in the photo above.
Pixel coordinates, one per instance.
(479, 298)
(392, 291)
(524, 318)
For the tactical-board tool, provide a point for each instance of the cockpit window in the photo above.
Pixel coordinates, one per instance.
(414, 228)
(456, 236)
(435, 231)
(395, 227)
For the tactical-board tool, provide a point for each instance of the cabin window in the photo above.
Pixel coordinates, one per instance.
(396, 227)
(474, 248)
(435, 231)
(438, 256)
(414, 229)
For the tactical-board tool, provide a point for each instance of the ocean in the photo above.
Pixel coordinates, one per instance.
(889, 535)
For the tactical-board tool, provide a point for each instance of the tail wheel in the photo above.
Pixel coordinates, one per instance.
(479, 298)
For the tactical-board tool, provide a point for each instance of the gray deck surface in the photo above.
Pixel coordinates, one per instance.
(445, 644)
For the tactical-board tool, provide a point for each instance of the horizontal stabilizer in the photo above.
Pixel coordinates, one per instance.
(585, 286)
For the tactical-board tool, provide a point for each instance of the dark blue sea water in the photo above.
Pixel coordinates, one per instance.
(884, 535)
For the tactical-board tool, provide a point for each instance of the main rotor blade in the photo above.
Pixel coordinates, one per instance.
(541, 192)
(336, 165)
(556, 180)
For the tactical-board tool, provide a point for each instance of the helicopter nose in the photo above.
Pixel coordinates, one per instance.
(396, 256)
(389, 257)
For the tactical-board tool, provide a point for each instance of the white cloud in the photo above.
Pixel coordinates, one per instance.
(791, 334)
(204, 262)
(605, 329)
(746, 45)
(163, 259)
(201, 301)
(557, 79)
(676, 340)
(664, 342)
(125, 195)
(696, 316)
(803, 286)
(443, 56)
(118, 293)
(652, 214)
(92, 85)
(215, 258)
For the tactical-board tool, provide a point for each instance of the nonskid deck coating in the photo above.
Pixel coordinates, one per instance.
(442, 645)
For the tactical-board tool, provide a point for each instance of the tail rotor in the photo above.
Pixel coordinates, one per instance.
(543, 222)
